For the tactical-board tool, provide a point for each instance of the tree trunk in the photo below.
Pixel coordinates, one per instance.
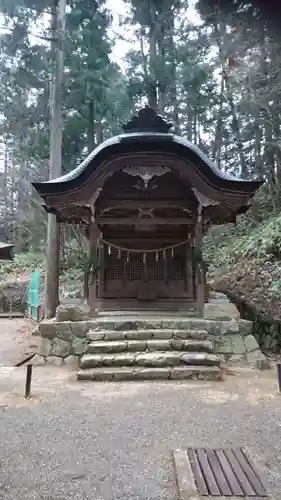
(188, 132)
(53, 231)
(173, 84)
(277, 149)
(268, 154)
(161, 81)
(152, 84)
(194, 135)
(91, 126)
(275, 56)
(235, 126)
(21, 208)
(220, 31)
(216, 153)
(6, 175)
(258, 157)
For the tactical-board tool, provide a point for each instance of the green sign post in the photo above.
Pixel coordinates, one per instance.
(33, 300)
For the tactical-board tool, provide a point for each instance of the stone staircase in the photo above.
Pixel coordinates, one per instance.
(148, 348)
(131, 345)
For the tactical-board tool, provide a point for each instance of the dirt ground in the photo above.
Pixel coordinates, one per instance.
(16, 341)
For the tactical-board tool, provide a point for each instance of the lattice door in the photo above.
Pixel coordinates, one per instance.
(155, 268)
(114, 267)
(134, 266)
(176, 265)
(131, 268)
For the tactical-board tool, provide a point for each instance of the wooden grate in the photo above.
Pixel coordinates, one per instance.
(135, 268)
(155, 268)
(177, 265)
(114, 268)
(176, 272)
(225, 473)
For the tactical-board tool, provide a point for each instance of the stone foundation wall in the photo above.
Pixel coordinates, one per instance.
(62, 342)
(267, 332)
(236, 343)
(64, 339)
(234, 340)
(268, 335)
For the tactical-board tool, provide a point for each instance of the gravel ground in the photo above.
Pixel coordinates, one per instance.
(107, 441)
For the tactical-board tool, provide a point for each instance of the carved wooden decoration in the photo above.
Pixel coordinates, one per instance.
(204, 200)
(146, 174)
(147, 120)
(145, 213)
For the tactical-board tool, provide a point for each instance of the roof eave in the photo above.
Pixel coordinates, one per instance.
(65, 181)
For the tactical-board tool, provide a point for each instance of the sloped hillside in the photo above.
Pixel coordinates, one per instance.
(245, 262)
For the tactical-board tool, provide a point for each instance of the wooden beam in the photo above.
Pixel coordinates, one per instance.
(155, 242)
(132, 221)
(109, 204)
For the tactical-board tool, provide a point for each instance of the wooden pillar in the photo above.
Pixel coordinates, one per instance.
(145, 268)
(101, 270)
(52, 271)
(188, 271)
(199, 264)
(165, 267)
(89, 278)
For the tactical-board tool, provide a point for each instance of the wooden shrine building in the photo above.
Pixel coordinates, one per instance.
(6, 251)
(145, 199)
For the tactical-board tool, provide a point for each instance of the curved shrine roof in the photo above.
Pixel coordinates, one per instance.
(147, 138)
(120, 143)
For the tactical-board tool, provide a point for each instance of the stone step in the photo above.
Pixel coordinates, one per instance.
(121, 323)
(115, 346)
(146, 334)
(187, 313)
(151, 359)
(167, 373)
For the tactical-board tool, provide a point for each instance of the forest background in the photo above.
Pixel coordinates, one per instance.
(215, 74)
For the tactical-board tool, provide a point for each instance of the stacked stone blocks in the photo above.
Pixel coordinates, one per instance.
(172, 344)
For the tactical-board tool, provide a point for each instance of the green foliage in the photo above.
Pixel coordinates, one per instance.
(71, 282)
(22, 265)
(275, 288)
(228, 245)
(256, 12)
